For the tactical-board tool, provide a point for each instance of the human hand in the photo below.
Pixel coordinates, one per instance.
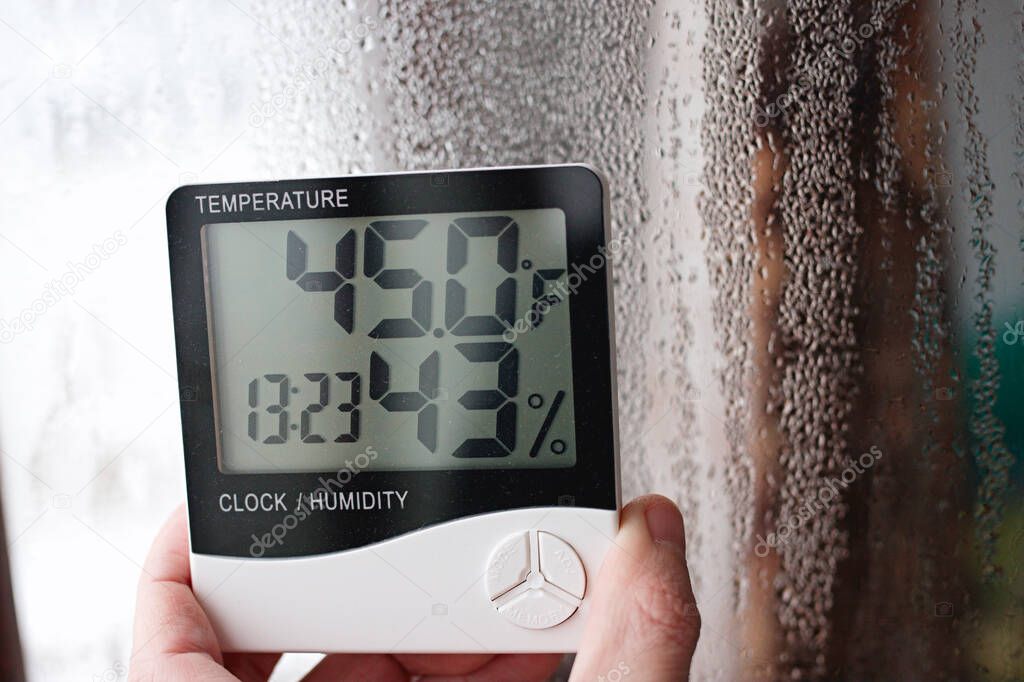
(643, 622)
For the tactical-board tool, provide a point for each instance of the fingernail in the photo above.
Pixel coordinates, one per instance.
(665, 523)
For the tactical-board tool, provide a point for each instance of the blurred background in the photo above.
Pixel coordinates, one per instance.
(820, 307)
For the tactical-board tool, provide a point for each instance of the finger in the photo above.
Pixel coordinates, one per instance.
(172, 637)
(442, 664)
(251, 667)
(357, 668)
(507, 668)
(643, 620)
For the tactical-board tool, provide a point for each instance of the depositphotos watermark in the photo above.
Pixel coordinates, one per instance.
(563, 288)
(619, 672)
(1014, 333)
(309, 71)
(817, 503)
(344, 475)
(801, 82)
(112, 674)
(61, 287)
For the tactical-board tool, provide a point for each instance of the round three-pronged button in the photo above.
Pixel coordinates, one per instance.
(535, 579)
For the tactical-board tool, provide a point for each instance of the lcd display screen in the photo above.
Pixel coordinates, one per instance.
(437, 341)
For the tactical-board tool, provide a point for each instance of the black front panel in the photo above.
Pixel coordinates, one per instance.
(234, 513)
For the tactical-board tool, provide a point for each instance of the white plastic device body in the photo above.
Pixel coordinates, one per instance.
(445, 588)
(422, 592)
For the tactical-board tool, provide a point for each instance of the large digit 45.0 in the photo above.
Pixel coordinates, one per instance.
(377, 233)
(329, 280)
(459, 233)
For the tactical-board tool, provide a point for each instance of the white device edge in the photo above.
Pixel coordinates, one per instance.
(243, 625)
(422, 592)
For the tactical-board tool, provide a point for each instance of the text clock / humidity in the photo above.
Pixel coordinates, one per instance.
(398, 407)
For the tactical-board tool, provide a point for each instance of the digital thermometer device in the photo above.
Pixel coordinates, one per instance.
(398, 407)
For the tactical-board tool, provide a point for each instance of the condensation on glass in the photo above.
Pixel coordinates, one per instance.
(819, 295)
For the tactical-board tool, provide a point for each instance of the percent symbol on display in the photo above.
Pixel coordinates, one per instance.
(557, 446)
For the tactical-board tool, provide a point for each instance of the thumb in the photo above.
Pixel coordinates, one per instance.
(643, 620)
